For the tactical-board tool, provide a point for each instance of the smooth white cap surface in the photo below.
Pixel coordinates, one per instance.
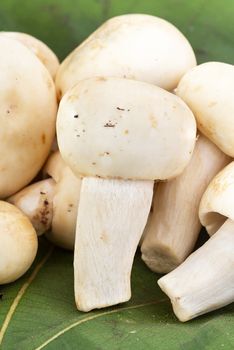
(28, 107)
(208, 90)
(40, 49)
(18, 246)
(121, 128)
(133, 46)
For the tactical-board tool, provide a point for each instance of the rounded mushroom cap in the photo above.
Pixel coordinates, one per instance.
(40, 49)
(18, 246)
(134, 46)
(36, 201)
(208, 90)
(120, 128)
(217, 203)
(65, 202)
(28, 109)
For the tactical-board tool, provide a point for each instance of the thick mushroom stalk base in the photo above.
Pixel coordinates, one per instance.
(205, 281)
(111, 218)
(167, 241)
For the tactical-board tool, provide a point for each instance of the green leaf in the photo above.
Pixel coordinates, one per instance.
(38, 311)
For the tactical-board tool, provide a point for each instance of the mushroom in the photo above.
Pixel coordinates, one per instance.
(205, 281)
(51, 204)
(134, 46)
(28, 107)
(207, 90)
(120, 135)
(36, 201)
(18, 246)
(40, 49)
(167, 241)
(65, 202)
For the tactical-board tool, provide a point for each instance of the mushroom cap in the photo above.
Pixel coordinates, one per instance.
(35, 201)
(18, 246)
(65, 202)
(208, 90)
(40, 49)
(28, 109)
(126, 129)
(217, 203)
(134, 46)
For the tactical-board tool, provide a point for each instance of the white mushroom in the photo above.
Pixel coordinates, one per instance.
(28, 108)
(36, 201)
(65, 202)
(208, 90)
(18, 246)
(205, 281)
(133, 46)
(120, 135)
(51, 204)
(40, 49)
(174, 225)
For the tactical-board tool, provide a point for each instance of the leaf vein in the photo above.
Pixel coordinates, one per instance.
(21, 293)
(92, 317)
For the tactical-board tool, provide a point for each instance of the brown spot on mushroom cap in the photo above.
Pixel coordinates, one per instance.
(43, 138)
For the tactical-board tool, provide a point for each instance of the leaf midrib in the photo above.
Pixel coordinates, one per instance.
(93, 317)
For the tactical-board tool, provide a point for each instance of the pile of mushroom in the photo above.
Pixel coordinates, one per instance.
(131, 95)
(205, 281)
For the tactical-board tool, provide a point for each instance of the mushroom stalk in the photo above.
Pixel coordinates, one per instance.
(167, 241)
(205, 281)
(111, 217)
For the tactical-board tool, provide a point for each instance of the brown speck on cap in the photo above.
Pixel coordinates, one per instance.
(43, 138)
(109, 125)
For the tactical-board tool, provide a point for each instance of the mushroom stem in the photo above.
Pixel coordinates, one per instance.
(205, 281)
(167, 241)
(36, 202)
(111, 218)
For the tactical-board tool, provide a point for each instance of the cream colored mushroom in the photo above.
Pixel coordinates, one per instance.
(133, 46)
(174, 225)
(208, 91)
(120, 135)
(36, 201)
(28, 109)
(51, 204)
(40, 49)
(205, 281)
(65, 202)
(18, 246)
